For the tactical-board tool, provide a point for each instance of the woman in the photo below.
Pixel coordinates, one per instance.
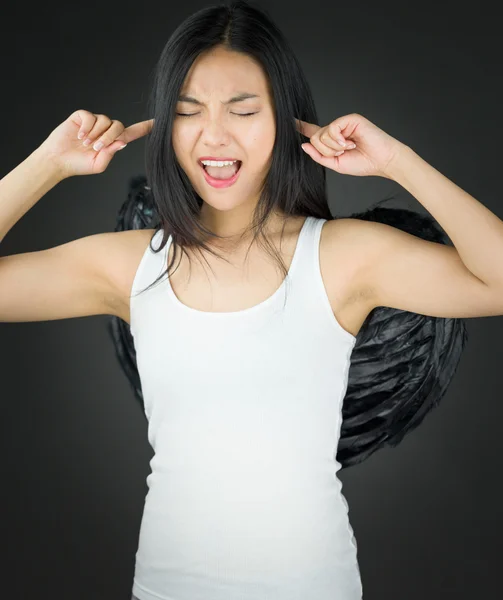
(244, 370)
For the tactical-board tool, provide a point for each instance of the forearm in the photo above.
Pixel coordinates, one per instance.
(23, 187)
(475, 231)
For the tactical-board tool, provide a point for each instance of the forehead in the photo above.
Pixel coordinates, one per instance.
(222, 72)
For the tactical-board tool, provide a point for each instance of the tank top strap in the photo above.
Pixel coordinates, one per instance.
(151, 264)
(307, 252)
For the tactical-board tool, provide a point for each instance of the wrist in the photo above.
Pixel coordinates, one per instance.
(398, 163)
(49, 164)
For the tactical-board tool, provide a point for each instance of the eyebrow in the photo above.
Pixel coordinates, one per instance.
(238, 98)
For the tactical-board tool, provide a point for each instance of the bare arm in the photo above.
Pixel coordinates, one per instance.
(23, 187)
(408, 273)
(87, 276)
(403, 271)
(57, 283)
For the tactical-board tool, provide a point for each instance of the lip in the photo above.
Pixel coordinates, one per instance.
(220, 183)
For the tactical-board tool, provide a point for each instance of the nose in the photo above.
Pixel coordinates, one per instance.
(214, 133)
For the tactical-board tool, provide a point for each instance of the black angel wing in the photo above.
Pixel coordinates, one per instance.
(401, 364)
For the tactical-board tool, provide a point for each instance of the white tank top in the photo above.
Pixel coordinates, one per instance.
(244, 416)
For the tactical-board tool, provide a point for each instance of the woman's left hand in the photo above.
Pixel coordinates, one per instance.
(374, 153)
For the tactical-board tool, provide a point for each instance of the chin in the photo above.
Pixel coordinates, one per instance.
(223, 204)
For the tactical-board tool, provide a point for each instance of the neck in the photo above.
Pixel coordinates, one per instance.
(234, 225)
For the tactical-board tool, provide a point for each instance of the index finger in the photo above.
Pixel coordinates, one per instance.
(138, 130)
(307, 129)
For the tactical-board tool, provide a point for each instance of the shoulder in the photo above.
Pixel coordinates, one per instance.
(347, 237)
(348, 229)
(124, 251)
(375, 252)
(359, 239)
(345, 248)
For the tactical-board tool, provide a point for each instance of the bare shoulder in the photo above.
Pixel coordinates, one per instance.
(344, 243)
(343, 261)
(348, 230)
(360, 242)
(125, 251)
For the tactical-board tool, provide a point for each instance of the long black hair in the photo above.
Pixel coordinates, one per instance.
(295, 184)
(402, 362)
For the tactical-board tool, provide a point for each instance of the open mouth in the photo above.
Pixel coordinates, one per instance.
(225, 176)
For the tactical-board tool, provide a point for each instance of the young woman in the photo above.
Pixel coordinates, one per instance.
(244, 367)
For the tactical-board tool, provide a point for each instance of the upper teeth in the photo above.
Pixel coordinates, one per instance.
(218, 163)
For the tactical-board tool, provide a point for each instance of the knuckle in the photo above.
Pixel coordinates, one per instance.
(332, 128)
(104, 119)
(100, 125)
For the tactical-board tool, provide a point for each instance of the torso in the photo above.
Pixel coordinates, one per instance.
(240, 288)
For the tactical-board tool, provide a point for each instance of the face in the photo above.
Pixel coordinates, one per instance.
(222, 129)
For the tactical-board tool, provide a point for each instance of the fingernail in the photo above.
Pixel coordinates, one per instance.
(81, 135)
(122, 147)
(339, 153)
(98, 146)
(351, 146)
(86, 142)
(341, 141)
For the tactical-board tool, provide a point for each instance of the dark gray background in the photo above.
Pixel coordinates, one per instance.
(74, 448)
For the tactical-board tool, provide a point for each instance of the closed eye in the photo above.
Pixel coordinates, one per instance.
(237, 114)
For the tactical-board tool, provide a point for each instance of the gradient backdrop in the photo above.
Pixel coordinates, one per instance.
(74, 448)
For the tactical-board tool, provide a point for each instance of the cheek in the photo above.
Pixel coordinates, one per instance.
(261, 148)
(260, 137)
(181, 145)
(178, 137)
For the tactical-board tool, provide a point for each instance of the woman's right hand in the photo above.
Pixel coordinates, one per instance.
(68, 152)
